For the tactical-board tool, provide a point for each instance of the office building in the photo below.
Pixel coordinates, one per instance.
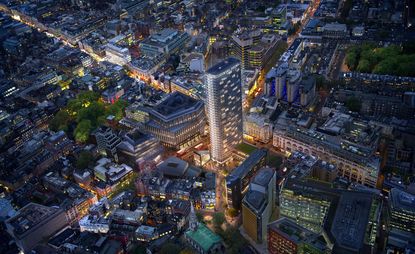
(242, 43)
(33, 223)
(288, 85)
(253, 49)
(258, 127)
(354, 226)
(287, 237)
(355, 158)
(223, 82)
(167, 41)
(107, 141)
(178, 121)
(309, 207)
(117, 55)
(138, 113)
(348, 219)
(402, 210)
(258, 204)
(137, 148)
(238, 180)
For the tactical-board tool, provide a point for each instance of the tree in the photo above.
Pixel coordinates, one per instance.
(187, 251)
(218, 219)
(351, 60)
(364, 66)
(386, 66)
(84, 159)
(117, 109)
(170, 248)
(406, 69)
(199, 216)
(409, 47)
(232, 212)
(353, 104)
(233, 239)
(87, 96)
(92, 112)
(61, 121)
(82, 131)
(140, 249)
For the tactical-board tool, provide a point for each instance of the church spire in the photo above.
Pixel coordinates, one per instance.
(192, 218)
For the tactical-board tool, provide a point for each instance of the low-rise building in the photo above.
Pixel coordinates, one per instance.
(33, 223)
(167, 41)
(258, 127)
(286, 236)
(93, 223)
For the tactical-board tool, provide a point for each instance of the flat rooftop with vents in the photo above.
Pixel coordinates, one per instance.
(175, 105)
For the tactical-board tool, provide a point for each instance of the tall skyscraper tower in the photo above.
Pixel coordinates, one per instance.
(223, 82)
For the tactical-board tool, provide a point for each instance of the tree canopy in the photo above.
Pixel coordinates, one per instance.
(170, 248)
(82, 131)
(84, 159)
(218, 219)
(391, 60)
(232, 212)
(87, 112)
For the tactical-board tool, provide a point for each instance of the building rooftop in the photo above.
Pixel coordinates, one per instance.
(291, 230)
(173, 166)
(31, 216)
(263, 177)
(176, 103)
(350, 220)
(335, 27)
(257, 195)
(164, 35)
(223, 66)
(248, 163)
(112, 171)
(6, 209)
(204, 237)
(136, 137)
(401, 200)
(255, 199)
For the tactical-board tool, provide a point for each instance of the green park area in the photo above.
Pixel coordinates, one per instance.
(390, 60)
(84, 114)
(246, 148)
(274, 160)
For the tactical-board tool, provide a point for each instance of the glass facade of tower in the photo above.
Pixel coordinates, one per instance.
(223, 82)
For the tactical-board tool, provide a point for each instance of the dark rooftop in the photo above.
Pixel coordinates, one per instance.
(264, 176)
(255, 199)
(176, 103)
(350, 220)
(248, 163)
